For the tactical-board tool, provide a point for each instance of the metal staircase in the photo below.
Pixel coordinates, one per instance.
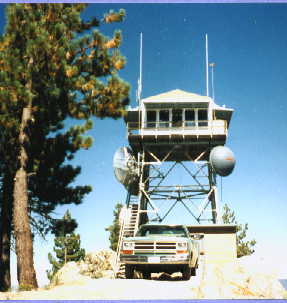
(129, 220)
(131, 226)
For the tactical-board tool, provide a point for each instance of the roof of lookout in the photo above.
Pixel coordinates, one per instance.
(177, 95)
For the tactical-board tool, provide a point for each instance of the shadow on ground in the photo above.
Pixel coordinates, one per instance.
(166, 277)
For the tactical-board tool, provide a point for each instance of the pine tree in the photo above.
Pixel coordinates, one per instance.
(7, 174)
(244, 248)
(48, 187)
(50, 71)
(67, 244)
(114, 229)
(5, 228)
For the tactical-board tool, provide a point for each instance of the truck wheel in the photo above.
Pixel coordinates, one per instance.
(129, 271)
(186, 273)
(146, 275)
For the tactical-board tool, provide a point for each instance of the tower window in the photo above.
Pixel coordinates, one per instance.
(202, 117)
(151, 118)
(164, 118)
(189, 117)
(177, 117)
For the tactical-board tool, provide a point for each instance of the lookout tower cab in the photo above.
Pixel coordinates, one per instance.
(177, 126)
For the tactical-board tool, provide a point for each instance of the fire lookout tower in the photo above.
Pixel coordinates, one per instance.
(179, 129)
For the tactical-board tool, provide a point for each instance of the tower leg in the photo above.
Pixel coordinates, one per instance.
(143, 185)
(216, 215)
(197, 197)
(217, 207)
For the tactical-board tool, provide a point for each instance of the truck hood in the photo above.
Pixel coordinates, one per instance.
(156, 238)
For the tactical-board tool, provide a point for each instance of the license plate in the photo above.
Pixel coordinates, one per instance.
(153, 259)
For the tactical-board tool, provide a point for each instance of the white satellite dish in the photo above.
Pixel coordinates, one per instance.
(126, 168)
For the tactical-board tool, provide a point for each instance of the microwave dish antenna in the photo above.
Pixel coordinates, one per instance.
(125, 168)
(222, 160)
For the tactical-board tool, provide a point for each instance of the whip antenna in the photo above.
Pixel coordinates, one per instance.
(139, 90)
(212, 79)
(206, 65)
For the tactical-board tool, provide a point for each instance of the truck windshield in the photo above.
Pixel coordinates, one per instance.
(177, 231)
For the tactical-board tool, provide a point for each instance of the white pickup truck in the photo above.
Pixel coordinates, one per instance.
(160, 248)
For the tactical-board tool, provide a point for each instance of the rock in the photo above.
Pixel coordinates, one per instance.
(239, 280)
(97, 274)
(211, 283)
(95, 265)
(245, 278)
(84, 267)
(69, 274)
(97, 262)
(265, 286)
(262, 277)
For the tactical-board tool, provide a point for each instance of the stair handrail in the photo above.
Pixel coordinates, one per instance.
(123, 218)
(137, 221)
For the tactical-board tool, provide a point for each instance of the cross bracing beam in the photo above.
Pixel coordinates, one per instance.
(159, 194)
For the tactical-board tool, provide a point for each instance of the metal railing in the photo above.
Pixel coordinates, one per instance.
(123, 220)
(211, 126)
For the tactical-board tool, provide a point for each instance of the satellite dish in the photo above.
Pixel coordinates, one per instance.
(126, 169)
(222, 160)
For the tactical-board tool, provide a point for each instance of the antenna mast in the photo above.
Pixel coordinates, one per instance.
(139, 90)
(212, 79)
(206, 65)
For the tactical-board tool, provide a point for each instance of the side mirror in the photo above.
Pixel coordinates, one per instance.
(197, 236)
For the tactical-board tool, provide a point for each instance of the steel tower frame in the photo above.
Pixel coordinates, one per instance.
(199, 197)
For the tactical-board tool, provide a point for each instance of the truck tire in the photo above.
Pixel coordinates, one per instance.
(193, 271)
(186, 273)
(129, 271)
(146, 274)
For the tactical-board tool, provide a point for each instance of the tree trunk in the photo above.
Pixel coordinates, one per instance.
(65, 261)
(6, 227)
(24, 245)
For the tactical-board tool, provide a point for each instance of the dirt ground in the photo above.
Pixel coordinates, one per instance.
(164, 287)
(211, 282)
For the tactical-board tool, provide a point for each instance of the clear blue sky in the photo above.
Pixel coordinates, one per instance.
(248, 43)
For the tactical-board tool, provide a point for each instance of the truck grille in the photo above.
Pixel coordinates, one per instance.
(155, 247)
(163, 245)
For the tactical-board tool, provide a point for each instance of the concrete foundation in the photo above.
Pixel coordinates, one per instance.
(218, 242)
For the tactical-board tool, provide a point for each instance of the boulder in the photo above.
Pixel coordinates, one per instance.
(69, 274)
(95, 265)
(238, 280)
(99, 264)
(265, 286)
